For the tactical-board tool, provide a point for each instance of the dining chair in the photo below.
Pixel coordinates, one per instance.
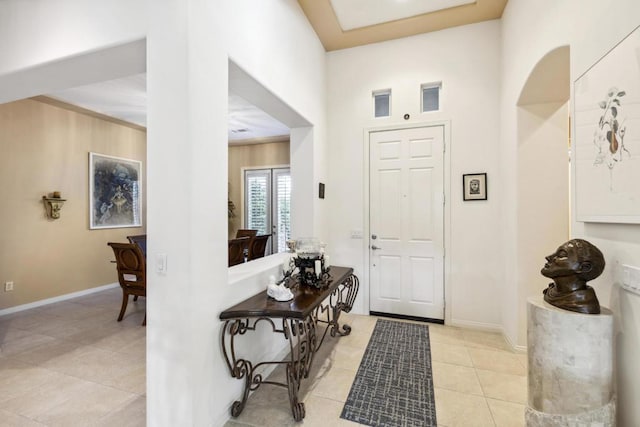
(244, 232)
(251, 234)
(258, 246)
(132, 273)
(140, 240)
(236, 250)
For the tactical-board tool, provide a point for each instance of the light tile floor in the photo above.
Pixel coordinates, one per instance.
(478, 381)
(72, 364)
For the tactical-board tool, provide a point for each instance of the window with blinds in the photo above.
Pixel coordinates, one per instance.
(268, 205)
(257, 190)
(283, 208)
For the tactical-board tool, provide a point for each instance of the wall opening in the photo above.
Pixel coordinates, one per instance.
(543, 172)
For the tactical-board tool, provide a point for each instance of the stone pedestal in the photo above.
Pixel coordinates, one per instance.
(570, 367)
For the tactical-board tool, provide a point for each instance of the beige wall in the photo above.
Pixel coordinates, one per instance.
(45, 148)
(251, 156)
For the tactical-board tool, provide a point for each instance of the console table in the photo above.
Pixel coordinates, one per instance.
(297, 319)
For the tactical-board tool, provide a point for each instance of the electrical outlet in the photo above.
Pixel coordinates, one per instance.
(8, 286)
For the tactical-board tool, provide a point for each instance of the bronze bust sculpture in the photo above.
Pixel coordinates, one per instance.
(571, 266)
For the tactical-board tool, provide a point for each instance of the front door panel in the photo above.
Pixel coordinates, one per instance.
(407, 218)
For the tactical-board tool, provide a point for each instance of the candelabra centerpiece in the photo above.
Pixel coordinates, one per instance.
(310, 260)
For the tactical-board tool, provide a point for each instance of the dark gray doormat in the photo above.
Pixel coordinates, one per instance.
(394, 385)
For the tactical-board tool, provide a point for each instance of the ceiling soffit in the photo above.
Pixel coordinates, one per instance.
(354, 14)
(323, 19)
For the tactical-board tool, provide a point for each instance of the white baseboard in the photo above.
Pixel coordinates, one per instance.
(65, 297)
(514, 347)
(490, 327)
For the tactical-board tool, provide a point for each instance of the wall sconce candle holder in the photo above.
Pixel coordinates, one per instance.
(53, 205)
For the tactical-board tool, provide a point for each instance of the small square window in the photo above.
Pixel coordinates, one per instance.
(431, 97)
(382, 103)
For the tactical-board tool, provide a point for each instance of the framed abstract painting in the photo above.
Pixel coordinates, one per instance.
(606, 146)
(115, 192)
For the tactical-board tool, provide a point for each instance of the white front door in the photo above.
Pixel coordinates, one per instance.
(406, 243)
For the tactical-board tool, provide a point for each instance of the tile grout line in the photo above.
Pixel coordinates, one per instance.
(484, 397)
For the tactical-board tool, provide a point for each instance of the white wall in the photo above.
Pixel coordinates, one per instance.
(543, 195)
(190, 44)
(483, 68)
(467, 61)
(36, 32)
(47, 46)
(273, 41)
(590, 28)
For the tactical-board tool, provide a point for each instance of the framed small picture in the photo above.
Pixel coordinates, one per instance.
(474, 186)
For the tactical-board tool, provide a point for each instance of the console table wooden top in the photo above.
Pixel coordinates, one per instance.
(305, 300)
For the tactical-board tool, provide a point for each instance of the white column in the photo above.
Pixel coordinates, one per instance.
(570, 367)
(187, 221)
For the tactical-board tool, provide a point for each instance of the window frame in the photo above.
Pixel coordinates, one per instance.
(377, 93)
(431, 85)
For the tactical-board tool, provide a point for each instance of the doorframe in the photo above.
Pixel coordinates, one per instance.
(446, 129)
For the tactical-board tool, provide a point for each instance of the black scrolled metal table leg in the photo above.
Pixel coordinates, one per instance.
(345, 296)
(335, 325)
(239, 368)
(243, 369)
(302, 341)
(297, 408)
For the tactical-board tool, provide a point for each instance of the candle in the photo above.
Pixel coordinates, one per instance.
(318, 267)
(326, 260)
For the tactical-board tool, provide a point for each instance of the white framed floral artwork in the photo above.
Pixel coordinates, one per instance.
(606, 146)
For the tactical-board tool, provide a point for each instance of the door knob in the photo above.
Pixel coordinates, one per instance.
(375, 248)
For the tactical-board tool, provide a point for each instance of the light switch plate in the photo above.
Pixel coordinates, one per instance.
(631, 278)
(161, 263)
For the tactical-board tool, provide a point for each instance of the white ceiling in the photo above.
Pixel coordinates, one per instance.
(353, 14)
(126, 99)
(342, 24)
(247, 121)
